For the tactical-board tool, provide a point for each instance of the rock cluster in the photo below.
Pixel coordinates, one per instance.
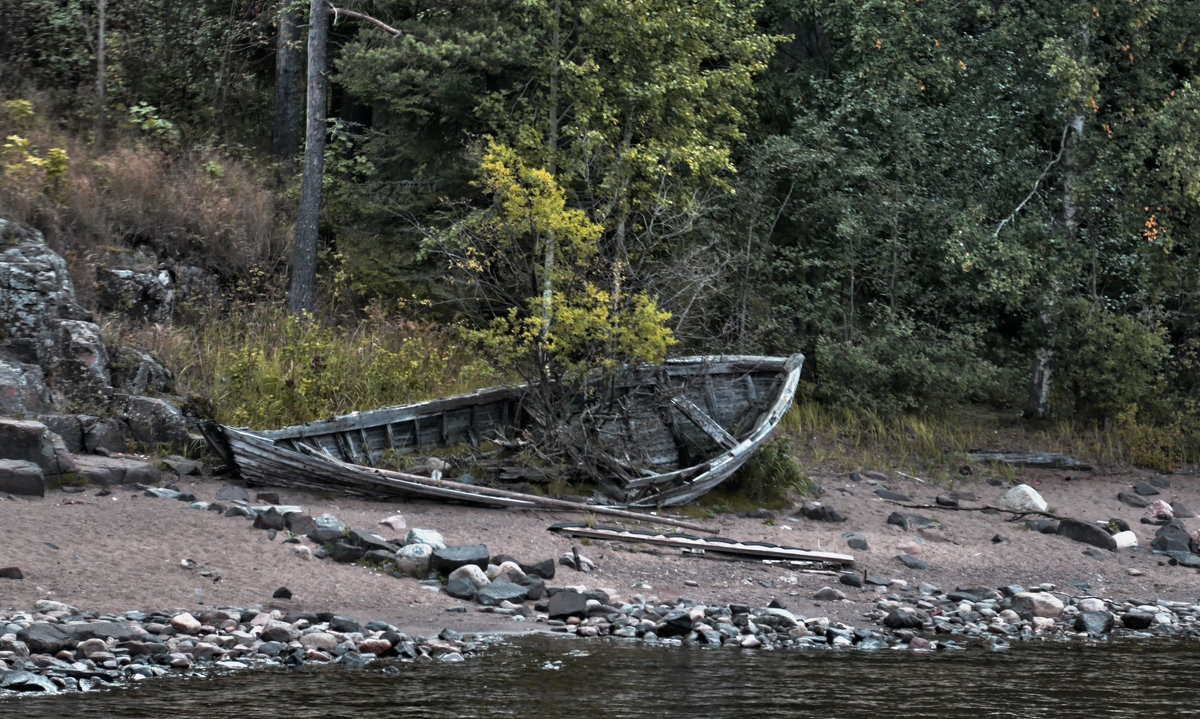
(56, 367)
(466, 571)
(924, 617)
(57, 648)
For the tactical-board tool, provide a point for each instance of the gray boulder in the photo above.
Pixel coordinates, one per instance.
(1172, 537)
(1131, 499)
(137, 372)
(499, 591)
(909, 521)
(905, 618)
(1136, 619)
(153, 421)
(78, 367)
(23, 681)
(425, 536)
(912, 562)
(269, 519)
(298, 523)
(1145, 489)
(23, 389)
(35, 286)
(109, 471)
(891, 496)
(1043, 526)
(415, 560)
(104, 434)
(45, 638)
(448, 559)
(370, 540)
(822, 513)
(1037, 604)
(1023, 497)
(856, 541)
(31, 441)
(345, 552)
(461, 588)
(116, 631)
(20, 477)
(566, 603)
(1096, 622)
(1088, 533)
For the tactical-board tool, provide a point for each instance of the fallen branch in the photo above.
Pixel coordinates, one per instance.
(1018, 514)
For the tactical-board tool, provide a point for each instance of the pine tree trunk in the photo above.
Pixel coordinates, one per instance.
(302, 293)
(288, 53)
(101, 6)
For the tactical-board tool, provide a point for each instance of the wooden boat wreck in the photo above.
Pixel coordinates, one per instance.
(667, 434)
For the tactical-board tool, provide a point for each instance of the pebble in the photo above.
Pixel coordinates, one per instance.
(56, 648)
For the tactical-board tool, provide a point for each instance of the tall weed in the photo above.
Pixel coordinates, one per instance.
(262, 367)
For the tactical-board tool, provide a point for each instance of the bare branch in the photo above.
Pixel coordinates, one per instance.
(360, 16)
(1062, 147)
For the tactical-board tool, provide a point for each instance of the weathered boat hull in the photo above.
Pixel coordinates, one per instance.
(689, 425)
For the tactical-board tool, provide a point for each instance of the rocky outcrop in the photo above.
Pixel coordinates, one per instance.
(147, 294)
(56, 367)
(32, 442)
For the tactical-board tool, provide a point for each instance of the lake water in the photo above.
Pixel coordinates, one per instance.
(544, 677)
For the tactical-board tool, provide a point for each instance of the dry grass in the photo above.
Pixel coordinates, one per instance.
(198, 206)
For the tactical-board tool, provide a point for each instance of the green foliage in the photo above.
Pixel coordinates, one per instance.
(24, 163)
(206, 65)
(634, 108)
(896, 365)
(274, 369)
(1108, 364)
(148, 121)
(32, 173)
(17, 114)
(771, 476)
(583, 319)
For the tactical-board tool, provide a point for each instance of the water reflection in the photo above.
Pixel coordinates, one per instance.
(545, 677)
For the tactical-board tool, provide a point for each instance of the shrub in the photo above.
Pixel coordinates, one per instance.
(770, 475)
(1106, 364)
(898, 365)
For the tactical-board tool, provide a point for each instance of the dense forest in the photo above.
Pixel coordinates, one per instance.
(938, 203)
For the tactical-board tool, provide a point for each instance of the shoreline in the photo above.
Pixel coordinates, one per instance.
(56, 648)
(105, 550)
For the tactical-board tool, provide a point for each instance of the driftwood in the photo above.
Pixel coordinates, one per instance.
(743, 550)
(1018, 514)
(547, 502)
(1043, 460)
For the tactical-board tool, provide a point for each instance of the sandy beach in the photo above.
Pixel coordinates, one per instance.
(125, 550)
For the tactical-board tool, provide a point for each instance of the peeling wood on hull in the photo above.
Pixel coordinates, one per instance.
(750, 550)
(694, 422)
